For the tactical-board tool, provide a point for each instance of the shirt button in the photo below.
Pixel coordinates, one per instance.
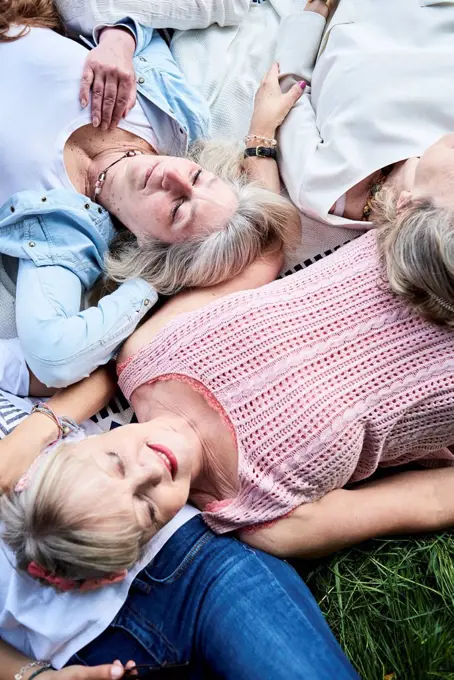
(44, 199)
(32, 244)
(141, 80)
(146, 302)
(87, 206)
(12, 208)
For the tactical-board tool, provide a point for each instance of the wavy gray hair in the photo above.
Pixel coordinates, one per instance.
(417, 246)
(262, 220)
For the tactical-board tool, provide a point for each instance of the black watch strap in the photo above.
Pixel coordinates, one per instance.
(261, 152)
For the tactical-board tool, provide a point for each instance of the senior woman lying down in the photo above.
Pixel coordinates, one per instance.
(259, 404)
(188, 219)
(378, 97)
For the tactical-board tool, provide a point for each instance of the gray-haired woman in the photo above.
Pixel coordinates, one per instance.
(190, 218)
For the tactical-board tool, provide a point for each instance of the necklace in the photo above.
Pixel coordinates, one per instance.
(102, 175)
(374, 189)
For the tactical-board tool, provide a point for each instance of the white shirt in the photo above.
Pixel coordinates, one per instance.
(44, 624)
(380, 93)
(39, 80)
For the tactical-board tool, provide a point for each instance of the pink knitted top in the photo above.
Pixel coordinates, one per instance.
(323, 376)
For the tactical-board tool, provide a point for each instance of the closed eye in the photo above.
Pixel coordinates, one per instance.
(150, 511)
(196, 176)
(119, 462)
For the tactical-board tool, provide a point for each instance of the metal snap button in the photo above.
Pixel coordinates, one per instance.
(141, 80)
(87, 206)
(12, 208)
(146, 302)
(44, 199)
(32, 244)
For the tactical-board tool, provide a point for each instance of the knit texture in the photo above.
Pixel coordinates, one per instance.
(324, 376)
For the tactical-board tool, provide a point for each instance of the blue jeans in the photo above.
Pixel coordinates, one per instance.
(231, 611)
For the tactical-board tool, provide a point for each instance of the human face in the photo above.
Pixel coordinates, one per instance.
(140, 474)
(168, 198)
(434, 173)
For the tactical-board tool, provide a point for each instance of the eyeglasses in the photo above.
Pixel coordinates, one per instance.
(167, 670)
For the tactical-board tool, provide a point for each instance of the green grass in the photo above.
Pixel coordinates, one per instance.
(390, 603)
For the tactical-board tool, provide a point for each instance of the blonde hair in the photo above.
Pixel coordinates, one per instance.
(263, 220)
(27, 13)
(49, 524)
(417, 247)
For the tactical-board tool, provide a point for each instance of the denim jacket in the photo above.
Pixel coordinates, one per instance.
(64, 229)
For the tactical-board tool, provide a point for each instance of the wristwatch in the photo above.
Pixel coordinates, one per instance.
(261, 152)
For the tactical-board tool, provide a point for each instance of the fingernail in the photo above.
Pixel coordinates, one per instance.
(83, 103)
(116, 672)
(302, 84)
(95, 122)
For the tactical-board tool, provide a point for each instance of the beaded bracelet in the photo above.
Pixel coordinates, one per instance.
(43, 666)
(64, 424)
(267, 140)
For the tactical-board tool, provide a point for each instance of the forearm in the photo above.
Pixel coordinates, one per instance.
(179, 14)
(29, 438)
(408, 502)
(11, 661)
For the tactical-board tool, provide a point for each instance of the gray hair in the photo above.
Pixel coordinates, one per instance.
(50, 524)
(262, 220)
(417, 247)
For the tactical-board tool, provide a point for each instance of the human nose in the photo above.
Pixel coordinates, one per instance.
(176, 183)
(147, 474)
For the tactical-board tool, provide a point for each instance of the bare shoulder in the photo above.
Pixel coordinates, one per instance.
(258, 274)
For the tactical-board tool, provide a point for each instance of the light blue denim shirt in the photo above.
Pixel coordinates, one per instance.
(61, 237)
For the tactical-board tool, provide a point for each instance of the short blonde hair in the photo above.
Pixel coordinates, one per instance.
(42, 524)
(417, 247)
(263, 220)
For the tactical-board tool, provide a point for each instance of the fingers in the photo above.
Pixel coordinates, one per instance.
(85, 85)
(111, 671)
(96, 99)
(109, 100)
(131, 664)
(123, 100)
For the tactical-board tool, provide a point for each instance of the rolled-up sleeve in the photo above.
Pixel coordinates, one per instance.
(300, 35)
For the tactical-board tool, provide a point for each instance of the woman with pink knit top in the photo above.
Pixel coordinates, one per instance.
(259, 404)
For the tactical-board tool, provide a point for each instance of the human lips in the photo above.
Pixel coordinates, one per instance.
(167, 457)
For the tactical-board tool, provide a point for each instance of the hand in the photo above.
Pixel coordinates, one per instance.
(110, 671)
(320, 6)
(271, 105)
(109, 72)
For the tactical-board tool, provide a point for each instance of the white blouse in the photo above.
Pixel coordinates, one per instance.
(380, 92)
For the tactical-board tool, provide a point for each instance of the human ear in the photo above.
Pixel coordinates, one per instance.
(404, 200)
(96, 583)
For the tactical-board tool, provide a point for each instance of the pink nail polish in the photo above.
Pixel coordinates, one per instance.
(302, 84)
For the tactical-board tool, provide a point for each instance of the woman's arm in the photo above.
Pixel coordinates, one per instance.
(79, 402)
(271, 106)
(12, 661)
(407, 502)
(298, 43)
(83, 17)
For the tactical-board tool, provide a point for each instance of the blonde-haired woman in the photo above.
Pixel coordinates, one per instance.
(182, 218)
(259, 403)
